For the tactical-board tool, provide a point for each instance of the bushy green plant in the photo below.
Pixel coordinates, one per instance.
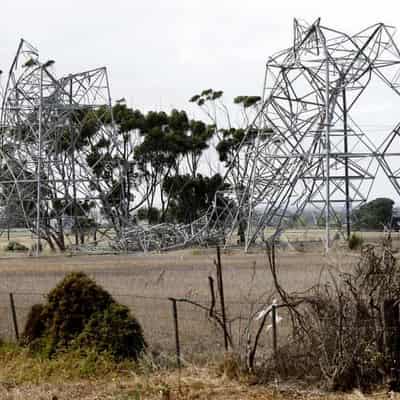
(15, 246)
(34, 326)
(113, 331)
(71, 304)
(355, 241)
(78, 312)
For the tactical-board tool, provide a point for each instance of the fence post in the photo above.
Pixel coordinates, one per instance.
(14, 316)
(221, 295)
(274, 333)
(212, 292)
(176, 328)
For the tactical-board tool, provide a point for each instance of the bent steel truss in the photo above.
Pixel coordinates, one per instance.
(50, 127)
(309, 149)
(305, 146)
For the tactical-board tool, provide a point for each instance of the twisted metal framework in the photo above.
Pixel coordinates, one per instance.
(308, 148)
(55, 134)
(45, 145)
(304, 147)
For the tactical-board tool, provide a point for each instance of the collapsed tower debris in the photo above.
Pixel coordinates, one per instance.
(55, 136)
(59, 172)
(308, 148)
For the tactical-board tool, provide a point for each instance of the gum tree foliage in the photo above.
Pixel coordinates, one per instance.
(119, 169)
(191, 197)
(232, 138)
(167, 141)
(161, 150)
(91, 141)
(374, 214)
(75, 135)
(125, 170)
(149, 148)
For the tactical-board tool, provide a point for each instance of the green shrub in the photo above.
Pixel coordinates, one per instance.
(71, 304)
(113, 331)
(15, 246)
(34, 326)
(79, 313)
(355, 241)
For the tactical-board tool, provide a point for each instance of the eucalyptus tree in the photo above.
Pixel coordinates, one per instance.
(191, 197)
(235, 133)
(168, 140)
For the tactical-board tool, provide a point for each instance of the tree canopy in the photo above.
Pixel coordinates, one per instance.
(191, 196)
(374, 214)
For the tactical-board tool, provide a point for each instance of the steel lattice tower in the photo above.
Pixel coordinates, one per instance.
(45, 143)
(308, 148)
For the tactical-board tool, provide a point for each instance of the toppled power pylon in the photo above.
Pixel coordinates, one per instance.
(304, 147)
(309, 148)
(54, 132)
(61, 170)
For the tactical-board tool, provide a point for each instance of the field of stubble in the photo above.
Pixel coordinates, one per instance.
(144, 283)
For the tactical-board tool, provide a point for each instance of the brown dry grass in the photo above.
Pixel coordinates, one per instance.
(193, 384)
(144, 283)
(157, 277)
(168, 274)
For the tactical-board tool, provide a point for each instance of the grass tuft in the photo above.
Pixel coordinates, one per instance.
(355, 241)
(19, 365)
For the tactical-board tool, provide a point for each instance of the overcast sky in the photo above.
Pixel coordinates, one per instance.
(159, 53)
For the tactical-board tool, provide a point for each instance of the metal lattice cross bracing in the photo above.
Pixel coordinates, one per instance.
(308, 148)
(50, 129)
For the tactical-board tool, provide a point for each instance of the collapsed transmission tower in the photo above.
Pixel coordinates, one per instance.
(305, 146)
(309, 149)
(53, 136)
(61, 170)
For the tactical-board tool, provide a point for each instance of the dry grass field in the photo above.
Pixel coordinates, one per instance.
(191, 384)
(145, 282)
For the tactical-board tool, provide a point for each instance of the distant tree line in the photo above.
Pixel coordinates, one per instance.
(374, 215)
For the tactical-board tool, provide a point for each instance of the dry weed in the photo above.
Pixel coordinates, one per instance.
(192, 384)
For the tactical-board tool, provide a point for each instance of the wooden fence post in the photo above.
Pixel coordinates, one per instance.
(212, 292)
(274, 333)
(221, 296)
(14, 316)
(176, 328)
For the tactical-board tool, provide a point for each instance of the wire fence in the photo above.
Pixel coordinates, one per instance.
(201, 325)
(184, 330)
(200, 336)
